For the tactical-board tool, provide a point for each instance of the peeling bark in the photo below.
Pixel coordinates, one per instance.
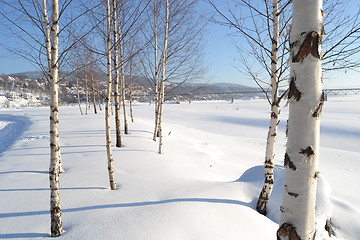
(309, 46)
(319, 106)
(293, 90)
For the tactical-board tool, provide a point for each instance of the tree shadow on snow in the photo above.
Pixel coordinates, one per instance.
(48, 189)
(127, 205)
(23, 235)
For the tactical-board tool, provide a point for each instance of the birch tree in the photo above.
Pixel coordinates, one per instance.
(265, 30)
(274, 116)
(54, 169)
(183, 49)
(122, 81)
(110, 159)
(306, 99)
(156, 68)
(162, 77)
(116, 72)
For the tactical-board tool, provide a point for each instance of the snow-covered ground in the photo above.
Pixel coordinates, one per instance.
(204, 186)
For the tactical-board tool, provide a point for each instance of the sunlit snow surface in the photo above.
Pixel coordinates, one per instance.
(204, 186)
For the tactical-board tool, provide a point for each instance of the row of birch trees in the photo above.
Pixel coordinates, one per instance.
(157, 39)
(161, 40)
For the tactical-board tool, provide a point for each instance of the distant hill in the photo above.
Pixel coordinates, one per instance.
(34, 81)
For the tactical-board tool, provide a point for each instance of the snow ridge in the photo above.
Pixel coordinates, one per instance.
(13, 130)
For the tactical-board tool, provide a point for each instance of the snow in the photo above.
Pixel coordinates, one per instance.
(204, 186)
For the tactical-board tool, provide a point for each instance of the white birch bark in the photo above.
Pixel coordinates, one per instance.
(274, 117)
(54, 169)
(78, 92)
(98, 94)
(163, 72)
(86, 90)
(116, 72)
(305, 105)
(122, 82)
(156, 72)
(93, 90)
(47, 33)
(131, 89)
(108, 98)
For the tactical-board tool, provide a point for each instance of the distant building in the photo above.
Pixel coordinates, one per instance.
(11, 95)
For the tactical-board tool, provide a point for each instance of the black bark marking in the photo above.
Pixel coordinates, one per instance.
(293, 90)
(288, 163)
(282, 209)
(295, 195)
(309, 46)
(269, 163)
(269, 181)
(307, 151)
(287, 231)
(318, 108)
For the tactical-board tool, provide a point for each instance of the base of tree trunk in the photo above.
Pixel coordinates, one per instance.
(118, 143)
(56, 223)
(261, 205)
(329, 227)
(287, 232)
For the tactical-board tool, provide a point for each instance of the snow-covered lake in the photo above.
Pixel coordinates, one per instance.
(203, 187)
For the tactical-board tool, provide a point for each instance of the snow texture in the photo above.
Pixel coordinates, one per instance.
(205, 185)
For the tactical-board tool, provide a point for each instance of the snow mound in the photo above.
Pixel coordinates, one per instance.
(323, 208)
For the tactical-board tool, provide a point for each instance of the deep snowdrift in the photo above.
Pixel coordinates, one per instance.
(204, 186)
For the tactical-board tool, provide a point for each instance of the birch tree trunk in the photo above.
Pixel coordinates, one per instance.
(116, 82)
(108, 98)
(122, 82)
(78, 92)
(54, 169)
(86, 90)
(93, 90)
(163, 71)
(305, 104)
(99, 98)
(156, 72)
(47, 35)
(131, 89)
(274, 117)
(47, 31)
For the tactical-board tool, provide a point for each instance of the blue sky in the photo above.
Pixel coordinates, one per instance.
(219, 59)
